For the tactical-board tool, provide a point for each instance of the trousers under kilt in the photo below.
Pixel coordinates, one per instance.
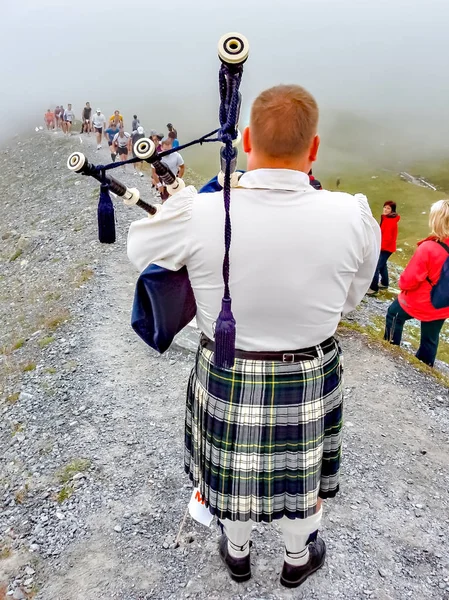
(263, 439)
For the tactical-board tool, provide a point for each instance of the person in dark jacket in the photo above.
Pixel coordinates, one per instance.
(415, 283)
(389, 230)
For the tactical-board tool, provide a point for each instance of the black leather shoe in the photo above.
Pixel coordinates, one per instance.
(292, 576)
(239, 568)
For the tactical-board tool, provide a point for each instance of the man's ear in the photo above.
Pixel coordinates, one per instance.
(246, 140)
(313, 152)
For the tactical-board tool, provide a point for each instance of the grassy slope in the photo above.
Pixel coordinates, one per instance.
(412, 202)
(437, 172)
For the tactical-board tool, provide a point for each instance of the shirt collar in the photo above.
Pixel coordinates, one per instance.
(274, 179)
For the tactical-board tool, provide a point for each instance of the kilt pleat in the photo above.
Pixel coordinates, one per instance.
(263, 439)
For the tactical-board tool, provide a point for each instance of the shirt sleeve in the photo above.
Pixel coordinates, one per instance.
(163, 239)
(371, 250)
(179, 161)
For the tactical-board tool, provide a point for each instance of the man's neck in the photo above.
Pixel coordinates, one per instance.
(268, 162)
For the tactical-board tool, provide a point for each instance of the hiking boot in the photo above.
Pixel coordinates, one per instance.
(383, 287)
(371, 292)
(292, 576)
(239, 568)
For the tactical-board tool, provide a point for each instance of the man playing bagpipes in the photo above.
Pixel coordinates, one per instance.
(265, 397)
(263, 429)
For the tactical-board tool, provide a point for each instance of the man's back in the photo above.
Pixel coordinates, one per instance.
(295, 254)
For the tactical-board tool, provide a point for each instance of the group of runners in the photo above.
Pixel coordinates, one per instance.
(60, 118)
(120, 141)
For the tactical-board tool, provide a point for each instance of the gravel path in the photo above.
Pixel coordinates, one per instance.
(91, 463)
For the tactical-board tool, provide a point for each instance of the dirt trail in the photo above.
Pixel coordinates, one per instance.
(121, 409)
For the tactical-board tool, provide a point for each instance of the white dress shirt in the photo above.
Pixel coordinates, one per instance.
(299, 257)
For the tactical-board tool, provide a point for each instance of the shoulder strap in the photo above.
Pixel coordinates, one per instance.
(445, 246)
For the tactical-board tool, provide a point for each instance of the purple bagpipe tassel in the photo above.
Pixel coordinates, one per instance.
(225, 337)
(106, 218)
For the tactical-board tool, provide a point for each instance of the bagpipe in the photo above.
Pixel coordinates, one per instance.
(164, 302)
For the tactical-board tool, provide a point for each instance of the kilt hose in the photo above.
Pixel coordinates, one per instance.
(263, 439)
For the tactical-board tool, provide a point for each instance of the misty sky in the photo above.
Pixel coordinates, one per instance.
(159, 58)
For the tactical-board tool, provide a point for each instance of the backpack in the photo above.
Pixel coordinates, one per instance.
(439, 294)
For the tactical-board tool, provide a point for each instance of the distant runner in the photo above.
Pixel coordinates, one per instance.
(135, 123)
(174, 162)
(50, 119)
(122, 143)
(87, 115)
(98, 123)
(61, 117)
(69, 117)
(135, 137)
(111, 132)
(171, 129)
(59, 113)
(116, 118)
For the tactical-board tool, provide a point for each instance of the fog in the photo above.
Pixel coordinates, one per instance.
(378, 68)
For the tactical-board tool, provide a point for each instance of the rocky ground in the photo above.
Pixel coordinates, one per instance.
(92, 489)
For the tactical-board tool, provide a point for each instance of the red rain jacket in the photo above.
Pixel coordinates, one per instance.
(389, 231)
(414, 298)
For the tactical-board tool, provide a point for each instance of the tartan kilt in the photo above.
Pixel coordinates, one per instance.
(263, 439)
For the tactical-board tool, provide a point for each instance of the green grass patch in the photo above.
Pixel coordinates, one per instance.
(375, 333)
(16, 346)
(64, 493)
(12, 398)
(21, 495)
(17, 428)
(78, 465)
(46, 341)
(52, 296)
(16, 255)
(50, 370)
(56, 319)
(28, 367)
(5, 552)
(435, 172)
(83, 277)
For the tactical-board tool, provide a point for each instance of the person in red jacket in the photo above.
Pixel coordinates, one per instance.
(414, 301)
(389, 231)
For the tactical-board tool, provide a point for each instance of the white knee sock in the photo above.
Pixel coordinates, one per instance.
(296, 532)
(238, 534)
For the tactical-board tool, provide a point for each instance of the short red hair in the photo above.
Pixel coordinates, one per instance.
(284, 121)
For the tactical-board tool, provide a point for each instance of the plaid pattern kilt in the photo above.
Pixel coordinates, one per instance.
(263, 439)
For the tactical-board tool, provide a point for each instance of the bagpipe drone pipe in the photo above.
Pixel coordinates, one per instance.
(164, 302)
